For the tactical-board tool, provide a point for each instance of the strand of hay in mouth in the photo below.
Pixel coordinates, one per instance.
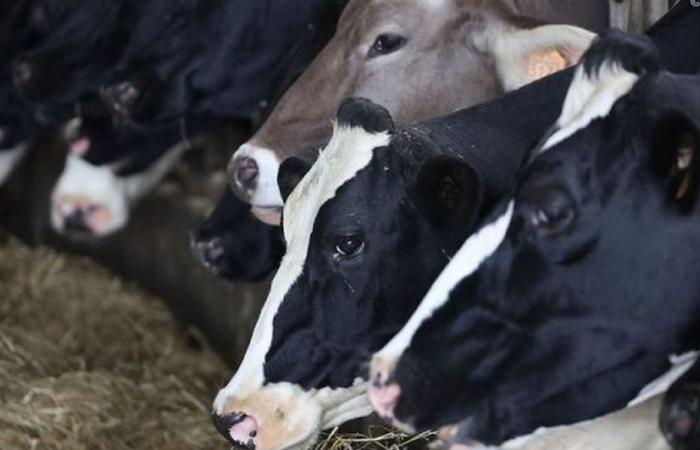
(89, 362)
(378, 438)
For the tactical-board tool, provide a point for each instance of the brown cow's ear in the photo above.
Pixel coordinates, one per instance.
(292, 170)
(675, 141)
(449, 190)
(524, 56)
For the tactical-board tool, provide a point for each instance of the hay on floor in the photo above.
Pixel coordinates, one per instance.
(90, 362)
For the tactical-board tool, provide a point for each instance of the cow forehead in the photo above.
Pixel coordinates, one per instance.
(349, 151)
(379, 12)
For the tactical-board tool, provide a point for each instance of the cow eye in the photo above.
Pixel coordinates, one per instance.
(349, 246)
(552, 215)
(386, 43)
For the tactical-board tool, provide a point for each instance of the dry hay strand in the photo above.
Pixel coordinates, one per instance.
(377, 438)
(90, 362)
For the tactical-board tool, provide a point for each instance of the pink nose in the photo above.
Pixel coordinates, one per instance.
(239, 429)
(384, 398)
(244, 431)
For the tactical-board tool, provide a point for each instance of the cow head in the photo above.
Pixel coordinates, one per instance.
(77, 54)
(107, 169)
(234, 245)
(584, 280)
(417, 58)
(379, 200)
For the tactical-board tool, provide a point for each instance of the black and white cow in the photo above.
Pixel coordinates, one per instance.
(573, 293)
(478, 32)
(184, 51)
(80, 50)
(367, 230)
(217, 57)
(107, 170)
(233, 244)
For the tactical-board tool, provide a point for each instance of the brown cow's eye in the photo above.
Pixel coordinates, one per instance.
(385, 44)
(349, 246)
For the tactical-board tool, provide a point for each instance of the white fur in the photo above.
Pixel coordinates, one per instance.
(266, 193)
(349, 151)
(511, 48)
(590, 98)
(475, 250)
(9, 158)
(99, 185)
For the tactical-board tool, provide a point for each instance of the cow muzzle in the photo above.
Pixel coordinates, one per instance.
(276, 417)
(385, 392)
(253, 176)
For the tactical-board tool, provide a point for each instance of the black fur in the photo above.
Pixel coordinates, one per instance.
(570, 317)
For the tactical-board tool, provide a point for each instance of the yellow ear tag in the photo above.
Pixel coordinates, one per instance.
(544, 63)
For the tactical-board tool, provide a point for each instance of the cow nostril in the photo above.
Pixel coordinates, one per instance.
(76, 222)
(246, 172)
(126, 94)
(384, 398)
(239, 429)
(120, 97)
(22, 72)
(209, 251)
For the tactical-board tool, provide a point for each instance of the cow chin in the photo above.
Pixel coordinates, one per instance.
(289, 418)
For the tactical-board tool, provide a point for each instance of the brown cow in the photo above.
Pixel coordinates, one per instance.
(418, 58)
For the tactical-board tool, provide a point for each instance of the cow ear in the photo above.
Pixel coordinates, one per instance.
(364, 113)
(526, 55)
(292, 170)
(449, 190)
(675, 141)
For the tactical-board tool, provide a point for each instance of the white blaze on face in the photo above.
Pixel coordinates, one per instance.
(9, 158)
(475, 250)
(266, 194)
(590, 97)
(349, 151)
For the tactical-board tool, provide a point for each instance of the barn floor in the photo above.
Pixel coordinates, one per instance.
(91, 362)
